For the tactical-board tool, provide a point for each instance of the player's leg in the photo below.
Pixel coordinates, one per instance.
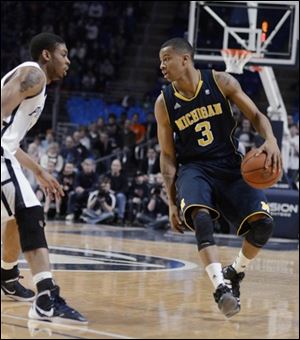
(250, 215)
(197, 206)
(11, 288)
(209, 254)
(21, 202)
(260, 230)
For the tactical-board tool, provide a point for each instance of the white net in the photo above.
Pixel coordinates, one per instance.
(235, 59)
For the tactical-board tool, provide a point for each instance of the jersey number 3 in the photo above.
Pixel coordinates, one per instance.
(205, 129)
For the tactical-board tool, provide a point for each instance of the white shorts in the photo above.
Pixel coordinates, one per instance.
(16, 192)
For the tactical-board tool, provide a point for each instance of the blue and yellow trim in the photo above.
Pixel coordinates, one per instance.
(246, 218)
(201, 206)
(180, 96)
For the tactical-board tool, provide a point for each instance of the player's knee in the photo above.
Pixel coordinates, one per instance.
(31, 228)
(204, 229)
(260, 232)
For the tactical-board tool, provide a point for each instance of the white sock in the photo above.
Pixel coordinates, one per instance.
(241, 262)
(41, 276)
(8, 265)
(214, 271)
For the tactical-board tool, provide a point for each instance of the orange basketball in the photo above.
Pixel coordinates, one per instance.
(254, 172)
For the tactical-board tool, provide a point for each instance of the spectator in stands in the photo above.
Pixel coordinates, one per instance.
(37, 142)
(67, 180)
(150, 164)
(105, 146)
(293, 162)
(137, 196)
(156, 212)
(81, 150)
(101, 127)
(119, 184)
(104, 149)
(69, 152)
(84, 138)
(54, 157)
(127, 142)
(89, 81)
(113, 130)
(101, 204)
(94, 137)
(49, 138)
(84, 183)
(245, 134)
(138, 129)
(49, 203)
(151, 127)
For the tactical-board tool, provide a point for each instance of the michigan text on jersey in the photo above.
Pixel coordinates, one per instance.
(194, 116)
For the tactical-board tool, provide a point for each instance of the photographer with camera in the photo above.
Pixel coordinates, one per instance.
(101, 204)
(156, 212)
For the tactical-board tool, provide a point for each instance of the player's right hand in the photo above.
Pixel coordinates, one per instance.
(49, 185)
(175, 219)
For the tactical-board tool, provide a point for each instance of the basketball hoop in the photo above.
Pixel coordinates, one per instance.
(235, 59)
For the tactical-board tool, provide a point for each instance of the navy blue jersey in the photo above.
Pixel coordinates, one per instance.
(203, 125)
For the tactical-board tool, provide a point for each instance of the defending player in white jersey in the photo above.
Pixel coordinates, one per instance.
(22, 101)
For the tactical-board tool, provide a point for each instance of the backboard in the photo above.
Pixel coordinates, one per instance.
(268, 29)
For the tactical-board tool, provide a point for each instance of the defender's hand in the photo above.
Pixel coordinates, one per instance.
(49, 184)
(175, 220)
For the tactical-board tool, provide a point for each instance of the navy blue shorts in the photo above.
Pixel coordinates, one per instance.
(218, 186)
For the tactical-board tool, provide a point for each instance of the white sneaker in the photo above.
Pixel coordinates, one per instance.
(70, 217)
(50, 306)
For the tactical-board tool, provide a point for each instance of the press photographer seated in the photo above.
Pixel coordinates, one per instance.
(155, 214)
(101, 204)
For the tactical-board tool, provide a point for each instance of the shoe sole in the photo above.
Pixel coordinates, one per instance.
(229, 305)
(32, 315)
(5, 297)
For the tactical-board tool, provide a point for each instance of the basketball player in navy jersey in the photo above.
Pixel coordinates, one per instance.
(201, 165)
(22, 101)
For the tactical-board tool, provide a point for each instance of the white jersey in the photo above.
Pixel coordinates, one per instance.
(23, 117)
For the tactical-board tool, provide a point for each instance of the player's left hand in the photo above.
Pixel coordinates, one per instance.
(270, 147)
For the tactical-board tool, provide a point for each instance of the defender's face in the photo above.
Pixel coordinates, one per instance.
(172, 63)
(60, 62)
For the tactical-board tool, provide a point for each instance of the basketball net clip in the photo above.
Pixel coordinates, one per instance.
(235, 59)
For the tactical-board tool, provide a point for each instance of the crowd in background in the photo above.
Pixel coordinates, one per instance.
(97, 33)
(109, 169)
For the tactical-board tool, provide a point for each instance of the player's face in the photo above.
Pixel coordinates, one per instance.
(59, 62)
(172, 63)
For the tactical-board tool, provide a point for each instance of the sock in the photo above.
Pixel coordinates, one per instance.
(214, 271)
(241, 262)
(8, 265)
(43, 281)
(9, 271)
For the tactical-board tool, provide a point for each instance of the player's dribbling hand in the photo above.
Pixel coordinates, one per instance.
(270, 147)
(175, 219)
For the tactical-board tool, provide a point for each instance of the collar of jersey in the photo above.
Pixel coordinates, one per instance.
(180, 96)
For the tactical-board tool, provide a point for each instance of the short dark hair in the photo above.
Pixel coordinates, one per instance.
(180, 44)
(44, 41)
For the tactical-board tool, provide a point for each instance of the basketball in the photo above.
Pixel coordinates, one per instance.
(254, 172)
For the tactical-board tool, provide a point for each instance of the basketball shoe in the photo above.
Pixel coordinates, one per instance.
(13, 290)
(50, 306)
(227, 303)
(232, 280)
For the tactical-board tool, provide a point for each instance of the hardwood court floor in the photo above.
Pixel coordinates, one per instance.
(132, 288)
